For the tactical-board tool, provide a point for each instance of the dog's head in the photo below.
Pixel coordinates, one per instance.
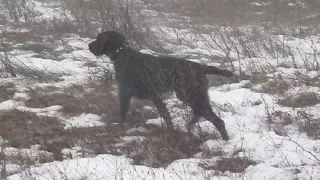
(108, 43)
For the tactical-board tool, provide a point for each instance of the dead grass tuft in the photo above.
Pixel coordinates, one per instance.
(308, 124)
(232, 164)
(301, 100)
(275, 87)
(258, 78)
(7, 91)
(278, 119)
(312, 128)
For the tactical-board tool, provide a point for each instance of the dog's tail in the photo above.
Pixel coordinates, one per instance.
(215, 70)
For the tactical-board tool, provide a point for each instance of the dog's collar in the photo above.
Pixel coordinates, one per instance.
(116, 53)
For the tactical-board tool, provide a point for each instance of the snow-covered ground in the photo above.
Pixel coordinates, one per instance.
(245, 110)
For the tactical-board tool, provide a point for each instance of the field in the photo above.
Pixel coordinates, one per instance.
(59, 105)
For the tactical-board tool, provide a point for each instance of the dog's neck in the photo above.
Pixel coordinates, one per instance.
(114, 55)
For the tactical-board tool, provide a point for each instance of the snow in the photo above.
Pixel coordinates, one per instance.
(74, 152)
(106, 167)
(119, 167)
(84, 120)
(9, 105)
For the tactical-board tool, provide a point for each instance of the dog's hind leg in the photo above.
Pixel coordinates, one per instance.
(201, 108)
(208, 114)
(219, 124)
(163, 111)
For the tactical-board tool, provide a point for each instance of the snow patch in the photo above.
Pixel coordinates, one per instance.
(84, 120)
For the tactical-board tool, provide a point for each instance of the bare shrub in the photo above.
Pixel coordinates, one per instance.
(90, 17)
(247, 43)
(15, 66)
(16, 10)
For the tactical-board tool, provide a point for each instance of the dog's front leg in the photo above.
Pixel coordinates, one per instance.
(163, 111)
(125, 98)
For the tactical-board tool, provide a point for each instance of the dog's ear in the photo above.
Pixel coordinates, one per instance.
(101, 41)
(113, 41)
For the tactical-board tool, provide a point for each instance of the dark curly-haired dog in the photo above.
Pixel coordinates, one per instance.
(146, 76)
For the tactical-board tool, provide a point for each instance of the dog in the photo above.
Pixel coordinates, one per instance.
(146, 76)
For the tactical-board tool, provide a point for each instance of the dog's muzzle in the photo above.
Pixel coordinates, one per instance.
(91, 49)
(94, 49)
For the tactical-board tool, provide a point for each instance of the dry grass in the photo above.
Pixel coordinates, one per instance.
(258, 78)
(315, 81)
(232, 164)
(17, 36)
(38, 100)
(277, 120)
(74, 99)
(26, 159)
(312, 128)
(301, 100)
(157, 148)
(23, 129)
(309, 124)
(275, 87)
(95, 98)
(7, 91)
(161, 147)
(154, 147)
(209, 153)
